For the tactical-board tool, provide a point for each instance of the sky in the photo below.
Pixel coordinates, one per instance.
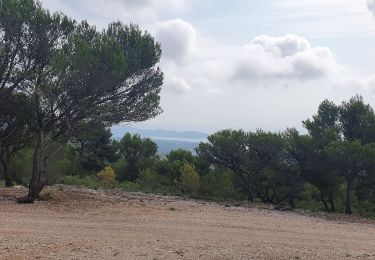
(248, 64)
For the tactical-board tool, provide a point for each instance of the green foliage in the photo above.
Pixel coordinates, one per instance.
(148, 180)
(119, 166)
(76, 76)
(94, 147)
(325, 121)
(14, 132)
(352, 160)
(357, 120)
(57, 169)
(20, 166)
(255, 159)
(189, 179)
(139, 153)
(91, 182)
(130, 186)
(364, 208)
(181, 156)
(171, 165)
(309, 198)
(218, 184)
(107, 176)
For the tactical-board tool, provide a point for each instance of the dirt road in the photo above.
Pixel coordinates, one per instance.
(85, 224)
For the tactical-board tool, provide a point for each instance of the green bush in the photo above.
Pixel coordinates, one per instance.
(21, 165)
(309, 198)
(107, 176)
(189, 179)
(130, 186)
(86, 181)
(57, 169)
(218, 184)
(119, 167)
(340, 198)
(364, 208)
(148, 180)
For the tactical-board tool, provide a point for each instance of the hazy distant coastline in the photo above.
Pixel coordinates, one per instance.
(166, 140)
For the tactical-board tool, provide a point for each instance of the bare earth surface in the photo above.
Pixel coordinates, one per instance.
(86, 224)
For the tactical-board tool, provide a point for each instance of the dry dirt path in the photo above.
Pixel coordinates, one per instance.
(83, 224)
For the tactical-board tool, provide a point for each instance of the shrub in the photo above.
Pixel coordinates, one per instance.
(309, 198)
(189, 180)
(107, 176)
(147, 180)
(218, 184)
(91, 182)
(364, 208)
(130, 186)
(150, 181)
(120, 168)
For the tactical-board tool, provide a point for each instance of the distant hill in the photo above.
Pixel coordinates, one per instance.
(165, 145)
(167, 140)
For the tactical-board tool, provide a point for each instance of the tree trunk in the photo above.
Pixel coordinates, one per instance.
(250, 196)
(324, 201)
(249, 191)
(8, 180)
(331, 201)
(349, 192)
(7, 177)
(291, 202)
(39, 173)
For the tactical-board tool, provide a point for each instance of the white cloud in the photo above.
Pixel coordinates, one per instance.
(204, 85)
(177, 38)
(287, 45)
(211, 66)
(200, 62)
(356, 83)
(286, 57)
(265, 62)
(177, 85)
(143, 12)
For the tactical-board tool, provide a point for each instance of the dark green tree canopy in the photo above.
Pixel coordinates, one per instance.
(138, 153)
(94, 147)
(74, 75)
(324, 125)
(351, 160)
(357, 120)
(181, 155)
(28, 35)
(256, 158)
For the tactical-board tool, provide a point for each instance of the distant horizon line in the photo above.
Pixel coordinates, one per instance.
(160, 129)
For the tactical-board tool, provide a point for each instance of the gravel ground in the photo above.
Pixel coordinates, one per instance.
(86, 224)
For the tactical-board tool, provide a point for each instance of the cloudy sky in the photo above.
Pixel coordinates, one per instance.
(248, 63)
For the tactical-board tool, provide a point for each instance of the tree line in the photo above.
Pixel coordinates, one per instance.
(274, 167)
(331, 167)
